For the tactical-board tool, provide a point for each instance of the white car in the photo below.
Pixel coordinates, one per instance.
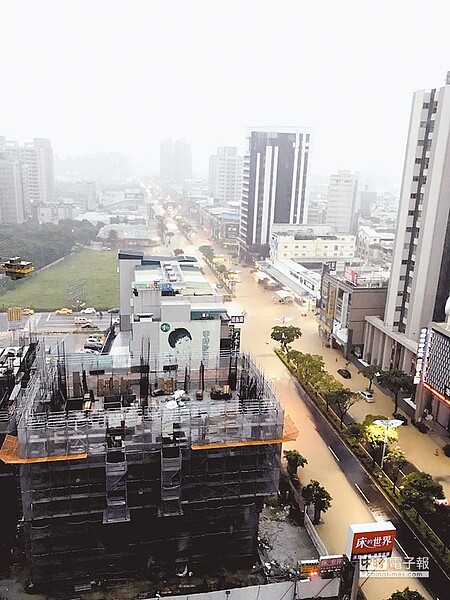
(88, 351)
(88, 311)
(81, 321)
(368, 396)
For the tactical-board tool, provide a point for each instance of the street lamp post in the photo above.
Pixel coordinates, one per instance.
(387, 424)
(284, 320)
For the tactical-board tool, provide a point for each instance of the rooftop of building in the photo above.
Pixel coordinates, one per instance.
(279, 129)
(443, 328)
(362, 277)
(208, 410)
(167, 273)
(379, 232)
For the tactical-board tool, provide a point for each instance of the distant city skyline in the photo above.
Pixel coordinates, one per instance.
(149, 76)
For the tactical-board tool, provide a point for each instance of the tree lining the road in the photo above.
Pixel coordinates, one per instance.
(294, 460)
(317, 495)
(370, 372)
(342, 401)
(396, 460)
(285, 335)
(406, 594)
(395, 381)
(420, 491)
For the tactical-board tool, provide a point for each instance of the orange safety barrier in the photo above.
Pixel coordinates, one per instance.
(9, 454)
(290, 433)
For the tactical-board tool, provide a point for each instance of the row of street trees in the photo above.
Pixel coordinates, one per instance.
(394, 380)
(310, 368)
(418, 490)
(220, 268)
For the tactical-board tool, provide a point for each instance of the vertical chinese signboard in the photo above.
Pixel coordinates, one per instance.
(331, 303)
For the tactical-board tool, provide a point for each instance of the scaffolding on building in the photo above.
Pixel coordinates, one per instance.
(100, 449)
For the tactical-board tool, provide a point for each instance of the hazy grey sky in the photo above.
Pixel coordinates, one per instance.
(98, 75)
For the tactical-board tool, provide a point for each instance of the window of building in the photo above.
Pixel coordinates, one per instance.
(336, 247)
(418, 161)
(426, 105)
(413, 196)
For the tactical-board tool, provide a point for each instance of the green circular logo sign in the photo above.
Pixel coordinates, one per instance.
(165, 327)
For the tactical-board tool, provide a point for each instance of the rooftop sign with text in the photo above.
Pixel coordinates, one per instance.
(370, 539)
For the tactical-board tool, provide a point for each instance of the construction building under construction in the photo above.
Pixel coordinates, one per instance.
(131, 472)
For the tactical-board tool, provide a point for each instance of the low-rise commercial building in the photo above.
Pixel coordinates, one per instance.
(306, 244)
(347, 298)
(221, 223)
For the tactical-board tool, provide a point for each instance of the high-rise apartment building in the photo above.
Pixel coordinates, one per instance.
(341, 205)
(420, 273)
(36, 162)
(274, 185)
(175, 161)
(225, 175)
(38, 155)
(12, 210)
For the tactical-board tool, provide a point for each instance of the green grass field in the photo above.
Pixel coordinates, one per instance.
(48, 289)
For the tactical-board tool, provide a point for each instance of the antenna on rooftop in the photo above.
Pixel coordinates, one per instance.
(447, 78)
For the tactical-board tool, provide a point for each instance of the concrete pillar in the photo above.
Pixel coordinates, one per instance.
(387, 350)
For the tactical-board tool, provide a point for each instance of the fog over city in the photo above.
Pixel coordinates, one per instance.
(116, 76)
(224, 300)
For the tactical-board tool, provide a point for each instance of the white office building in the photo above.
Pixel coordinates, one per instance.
(420, 273)
(36, 161)
(341, 205)
(11, 196)
(225, 175)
